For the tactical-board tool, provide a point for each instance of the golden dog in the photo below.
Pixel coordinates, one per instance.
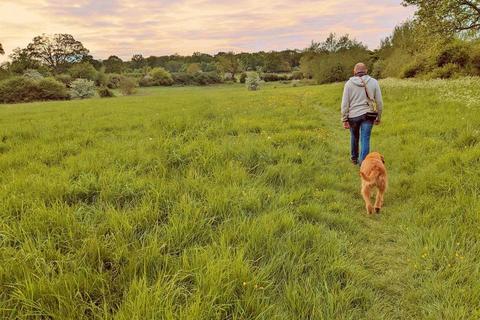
(374, 174)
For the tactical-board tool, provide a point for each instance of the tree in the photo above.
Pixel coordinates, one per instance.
(333, 59)
(57, 51)
(22, 61)
(448, 16)
(335, 44)
(1, 49)
(113, 65)
(229, 63)
(274, 62)
(138, 61)
(83, 70)
(193, 68)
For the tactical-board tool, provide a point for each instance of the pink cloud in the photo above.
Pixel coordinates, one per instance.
(125, 27)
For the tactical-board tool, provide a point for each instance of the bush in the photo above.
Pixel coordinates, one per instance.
(83, 70)
(4, 74)
(203, 78)
(147, 81)
(104, 92)
(113, 80)
(253, 81)
(51, 89)
(32, 74)
(413, 69)
(206, 78)
(454, 53)
(82, 89)
(475, 59)
(101, 79)
(243, 77)
(183, 78)
(296, 75)
(193, 68)
(332, 72)
(271, 77)
(448, 71)
(64, 78)
(161, 77)
(128, 86)
(378, 69)
(22, 89)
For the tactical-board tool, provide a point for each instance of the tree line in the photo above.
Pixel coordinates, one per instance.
(441, 41)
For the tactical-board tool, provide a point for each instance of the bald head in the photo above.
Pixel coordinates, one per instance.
(360, 68)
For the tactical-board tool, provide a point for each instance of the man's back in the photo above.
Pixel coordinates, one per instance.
(355, 101)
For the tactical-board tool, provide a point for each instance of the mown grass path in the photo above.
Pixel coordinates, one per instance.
(218, 203)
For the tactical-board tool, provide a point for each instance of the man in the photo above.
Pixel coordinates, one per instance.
(356, 103)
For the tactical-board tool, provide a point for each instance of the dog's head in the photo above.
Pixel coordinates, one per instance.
(376, 155)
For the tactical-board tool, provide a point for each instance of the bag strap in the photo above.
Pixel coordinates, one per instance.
(368, 96)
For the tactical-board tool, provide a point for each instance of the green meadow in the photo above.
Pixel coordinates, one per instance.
(220, 203)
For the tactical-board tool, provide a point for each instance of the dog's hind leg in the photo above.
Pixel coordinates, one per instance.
(379, 198)
(366, 197)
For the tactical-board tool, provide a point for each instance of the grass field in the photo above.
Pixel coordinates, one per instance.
(219, 203)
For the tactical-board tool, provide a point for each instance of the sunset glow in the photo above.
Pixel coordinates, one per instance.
(126, 27)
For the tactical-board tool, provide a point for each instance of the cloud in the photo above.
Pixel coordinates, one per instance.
(125, 27)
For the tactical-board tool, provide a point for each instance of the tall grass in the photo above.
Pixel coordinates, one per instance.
(218, 203)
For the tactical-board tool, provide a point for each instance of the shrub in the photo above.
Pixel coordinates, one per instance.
(82, 89)
(206, 78)
(183, 78)
(475, 59)
(113, 80)
(4, 74)
(270, 77)
(378, 67)
(128, 86)
(448, 71)
(253, 81)
(243, 77)
(147, 81)
(83, 70)
(161, 77)
(333, 72)
(203, 78)
(32, 74)
(413, 69)
(18, 89)
(296, 75)
(454, 53)
(23, 89)
(193, 68)
(104, 92)
(101, 79)
(64, 78)
(51, 89)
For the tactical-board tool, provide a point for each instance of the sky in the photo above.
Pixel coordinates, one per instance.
(160, 27)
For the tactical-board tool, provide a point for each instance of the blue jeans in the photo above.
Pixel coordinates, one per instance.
(360, 129)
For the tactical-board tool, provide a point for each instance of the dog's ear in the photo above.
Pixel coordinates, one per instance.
(383, 159)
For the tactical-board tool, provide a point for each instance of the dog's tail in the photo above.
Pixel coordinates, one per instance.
(374, 174)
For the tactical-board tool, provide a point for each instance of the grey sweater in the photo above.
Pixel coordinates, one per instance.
(355, 103)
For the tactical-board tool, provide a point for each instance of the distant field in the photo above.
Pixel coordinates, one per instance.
(219, 203)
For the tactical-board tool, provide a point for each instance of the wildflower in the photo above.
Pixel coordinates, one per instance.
(244, 283)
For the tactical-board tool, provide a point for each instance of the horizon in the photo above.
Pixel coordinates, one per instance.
(158, 28)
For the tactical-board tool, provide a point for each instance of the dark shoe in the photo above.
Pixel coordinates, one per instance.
(355, 161)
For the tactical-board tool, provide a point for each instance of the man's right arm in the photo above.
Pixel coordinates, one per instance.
(379, 99)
